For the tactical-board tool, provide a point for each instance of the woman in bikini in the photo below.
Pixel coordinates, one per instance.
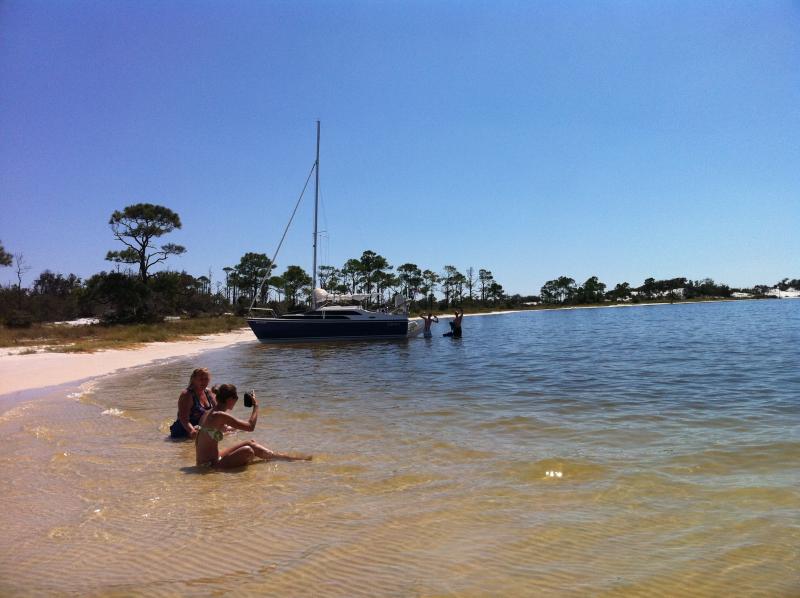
(194, 401)
(212, 427)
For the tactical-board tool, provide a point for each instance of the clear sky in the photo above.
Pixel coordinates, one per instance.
(620, 139)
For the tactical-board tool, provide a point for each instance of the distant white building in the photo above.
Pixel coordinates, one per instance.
(789, 293)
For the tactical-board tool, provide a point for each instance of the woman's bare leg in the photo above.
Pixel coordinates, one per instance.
(236, 456)
(268, 455)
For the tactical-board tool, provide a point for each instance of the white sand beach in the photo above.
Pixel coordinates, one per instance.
(40, 370)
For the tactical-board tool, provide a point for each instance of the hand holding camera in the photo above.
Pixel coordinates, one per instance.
(250, 398)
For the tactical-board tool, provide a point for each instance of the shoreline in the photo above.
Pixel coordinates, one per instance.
(20, 373)
(38, 371)
(599, 306)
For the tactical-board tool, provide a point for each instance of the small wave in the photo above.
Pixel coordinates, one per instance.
(114, 411)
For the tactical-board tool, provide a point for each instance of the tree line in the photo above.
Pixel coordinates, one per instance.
(565, 291)
(135, 293)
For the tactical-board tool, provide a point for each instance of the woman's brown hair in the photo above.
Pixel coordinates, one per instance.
(225, 392)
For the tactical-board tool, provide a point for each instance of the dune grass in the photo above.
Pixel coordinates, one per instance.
(86, 339)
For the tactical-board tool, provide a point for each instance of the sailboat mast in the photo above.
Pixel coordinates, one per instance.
(316, 235)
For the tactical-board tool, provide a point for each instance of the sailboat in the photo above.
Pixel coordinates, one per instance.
(330, 316)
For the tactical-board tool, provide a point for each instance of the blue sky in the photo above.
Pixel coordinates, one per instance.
(534, 139)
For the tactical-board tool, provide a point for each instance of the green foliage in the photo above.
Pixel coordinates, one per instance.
(450, 280)
(470, 282)
(786, 284)
(174, 293)
(410, 276)
(136, 227)
(5, 258)
(19, 319)
(563, 291)
(51, 283)
(705, 288)
(123, 298)
(277, 283)
(621, 292)
(592, 291)
(372, 268)
(328, 277)
(52, 297)
(430, 280)
(560, 290)
(295, 280)
(495, 291)
(352, 274)
(484, 279)
(250, 271)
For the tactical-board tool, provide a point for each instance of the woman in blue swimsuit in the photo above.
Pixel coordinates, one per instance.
(193, 403)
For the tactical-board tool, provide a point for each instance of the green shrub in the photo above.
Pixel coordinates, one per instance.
(19, 319)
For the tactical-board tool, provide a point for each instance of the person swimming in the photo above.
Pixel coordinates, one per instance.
(210, 432)
(195, 400)
(428, 319)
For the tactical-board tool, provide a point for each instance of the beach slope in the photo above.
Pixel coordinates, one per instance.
(40, 370)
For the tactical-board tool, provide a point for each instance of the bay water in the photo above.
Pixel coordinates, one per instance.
(636, 451)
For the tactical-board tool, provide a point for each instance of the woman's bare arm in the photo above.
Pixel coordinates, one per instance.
(184, 408)
(228, 420)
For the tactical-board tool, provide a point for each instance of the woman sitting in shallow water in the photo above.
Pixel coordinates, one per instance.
(194, 401)
(211, 429)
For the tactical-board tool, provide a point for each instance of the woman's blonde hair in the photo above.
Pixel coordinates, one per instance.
(197, 372)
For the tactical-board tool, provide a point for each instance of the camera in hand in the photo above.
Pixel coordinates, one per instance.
(248, 399)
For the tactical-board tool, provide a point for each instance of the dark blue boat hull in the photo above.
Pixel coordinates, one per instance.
(279, 329)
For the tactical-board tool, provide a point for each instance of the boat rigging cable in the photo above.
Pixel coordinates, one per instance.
(286, 230)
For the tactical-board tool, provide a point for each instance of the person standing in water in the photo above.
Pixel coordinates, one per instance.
(428, 320)
(455, 325)
(212, 427)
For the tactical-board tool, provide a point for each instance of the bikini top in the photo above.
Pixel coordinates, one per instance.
(216, 435)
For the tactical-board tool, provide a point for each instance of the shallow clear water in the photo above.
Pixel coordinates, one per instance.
(630, 451)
